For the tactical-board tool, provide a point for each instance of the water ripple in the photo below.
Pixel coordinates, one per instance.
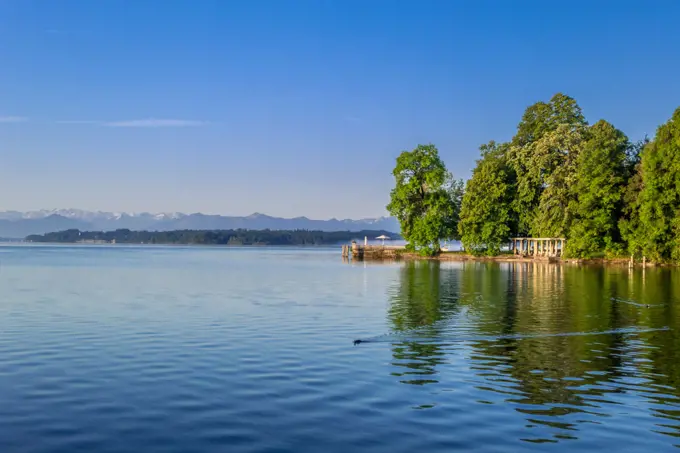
(208, 349)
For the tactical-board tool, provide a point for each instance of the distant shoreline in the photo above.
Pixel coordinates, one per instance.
(241, 237)
(132, 244)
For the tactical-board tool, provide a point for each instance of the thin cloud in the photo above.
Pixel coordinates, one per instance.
(153, 122)
(13, 119)
(79, 122)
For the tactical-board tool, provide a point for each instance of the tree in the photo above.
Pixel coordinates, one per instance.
(424, 199)
(629, 222)
(534, 157)
(456, 190)
(658, 231)
(598, 192)
(556, 154)
(487, 218)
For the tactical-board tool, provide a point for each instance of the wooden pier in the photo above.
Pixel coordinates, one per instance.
(359, 252)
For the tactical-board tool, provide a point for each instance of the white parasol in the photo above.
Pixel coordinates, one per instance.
(383, 237)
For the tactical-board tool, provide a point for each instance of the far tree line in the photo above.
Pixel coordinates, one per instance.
(559, 176)
(210, 237)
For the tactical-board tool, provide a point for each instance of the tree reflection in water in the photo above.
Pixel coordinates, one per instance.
(444, 312)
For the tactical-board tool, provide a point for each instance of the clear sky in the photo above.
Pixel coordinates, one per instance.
(299, 107)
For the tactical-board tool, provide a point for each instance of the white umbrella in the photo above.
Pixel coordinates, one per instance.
(383, 237)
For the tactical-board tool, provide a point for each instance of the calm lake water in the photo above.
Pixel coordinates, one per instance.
(179, 349)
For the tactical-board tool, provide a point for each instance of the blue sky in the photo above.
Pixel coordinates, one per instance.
(299, 107)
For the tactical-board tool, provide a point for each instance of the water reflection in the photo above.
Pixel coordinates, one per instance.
(508, 322)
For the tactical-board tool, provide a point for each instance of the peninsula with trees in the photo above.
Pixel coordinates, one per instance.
(559, 176)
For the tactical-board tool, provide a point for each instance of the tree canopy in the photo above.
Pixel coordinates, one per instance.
(558, 176)
(657, 226)
(426, 199)
(487, 217)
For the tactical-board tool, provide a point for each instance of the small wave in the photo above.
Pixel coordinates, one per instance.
(637, 304)
(396, 338)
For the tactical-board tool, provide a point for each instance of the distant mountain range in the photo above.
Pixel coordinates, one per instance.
(14, 224)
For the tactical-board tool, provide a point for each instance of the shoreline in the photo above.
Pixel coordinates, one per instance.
(169, 244)
(453, 257)
(388, 253)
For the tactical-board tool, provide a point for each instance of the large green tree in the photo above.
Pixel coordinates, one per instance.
(534, 157)
(487, 218)
(601, 170)
(556, 153)
(425, 199)
(629, 222)
(658, 228)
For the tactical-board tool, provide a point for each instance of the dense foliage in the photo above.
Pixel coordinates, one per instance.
(559, 176)
(204, 237)
(426, 199)
(657, 226)
(487, 216)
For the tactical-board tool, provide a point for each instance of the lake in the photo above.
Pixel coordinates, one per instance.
(199, 349)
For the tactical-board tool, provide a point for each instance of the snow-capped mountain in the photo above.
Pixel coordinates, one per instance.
(14, 224)
(80, 214)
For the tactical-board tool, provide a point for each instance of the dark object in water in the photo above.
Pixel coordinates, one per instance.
(356, 342)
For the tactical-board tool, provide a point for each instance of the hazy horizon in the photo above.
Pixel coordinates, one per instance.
(299, 108)
(107, 211)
